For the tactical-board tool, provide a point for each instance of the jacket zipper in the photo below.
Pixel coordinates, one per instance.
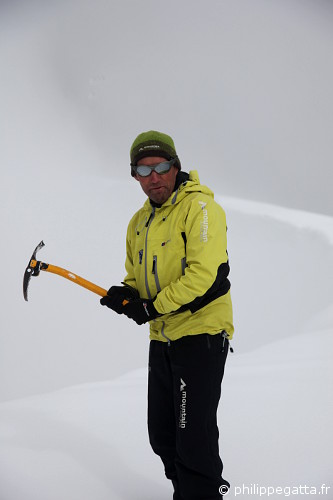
(183, 264)
(158, 288)
(155, 273)
(152, 215)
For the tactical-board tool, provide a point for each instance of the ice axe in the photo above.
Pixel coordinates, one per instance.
(35, 266)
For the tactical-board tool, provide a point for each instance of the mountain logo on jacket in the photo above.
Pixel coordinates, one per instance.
(204, 223)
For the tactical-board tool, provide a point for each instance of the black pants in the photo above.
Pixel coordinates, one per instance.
(184, 389)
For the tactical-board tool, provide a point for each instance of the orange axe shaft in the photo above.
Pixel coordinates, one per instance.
(34, 267)
(50, 268)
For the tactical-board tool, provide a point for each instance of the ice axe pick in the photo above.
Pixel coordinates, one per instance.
(35, 266)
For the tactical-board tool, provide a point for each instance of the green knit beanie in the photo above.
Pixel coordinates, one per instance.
(153, 143)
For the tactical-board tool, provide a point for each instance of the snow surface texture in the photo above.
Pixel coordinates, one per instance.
(74, 425)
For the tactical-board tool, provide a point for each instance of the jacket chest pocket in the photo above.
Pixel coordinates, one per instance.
(166, 261)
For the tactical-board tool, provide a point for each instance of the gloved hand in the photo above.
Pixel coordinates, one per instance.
(118, 296)
(140, 310)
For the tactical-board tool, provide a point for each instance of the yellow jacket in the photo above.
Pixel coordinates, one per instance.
(177, 255)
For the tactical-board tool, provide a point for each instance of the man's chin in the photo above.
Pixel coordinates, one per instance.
(158, 201)
(158, 196)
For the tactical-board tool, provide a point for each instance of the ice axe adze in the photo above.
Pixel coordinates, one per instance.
(35, 266)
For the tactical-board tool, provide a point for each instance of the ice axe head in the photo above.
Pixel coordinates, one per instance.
(33, 269)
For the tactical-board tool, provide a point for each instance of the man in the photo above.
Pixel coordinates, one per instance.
(177, 268)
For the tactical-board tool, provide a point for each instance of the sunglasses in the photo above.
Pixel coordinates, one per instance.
(160, 168)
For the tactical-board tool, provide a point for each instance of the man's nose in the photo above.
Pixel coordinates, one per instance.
(154, 176)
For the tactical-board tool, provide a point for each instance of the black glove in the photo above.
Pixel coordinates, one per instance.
(118, 296)
(140, 310)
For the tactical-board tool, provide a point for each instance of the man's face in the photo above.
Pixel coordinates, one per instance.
(158, 187)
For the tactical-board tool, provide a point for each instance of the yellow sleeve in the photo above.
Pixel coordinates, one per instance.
(206, 250)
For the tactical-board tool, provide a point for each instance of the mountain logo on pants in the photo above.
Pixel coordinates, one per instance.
(182, 414)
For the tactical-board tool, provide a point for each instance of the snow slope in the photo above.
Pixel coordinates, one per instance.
(90, 441)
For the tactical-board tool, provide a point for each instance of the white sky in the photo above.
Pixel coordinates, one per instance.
(243, 87)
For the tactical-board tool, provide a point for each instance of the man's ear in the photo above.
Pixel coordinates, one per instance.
(136, 177)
